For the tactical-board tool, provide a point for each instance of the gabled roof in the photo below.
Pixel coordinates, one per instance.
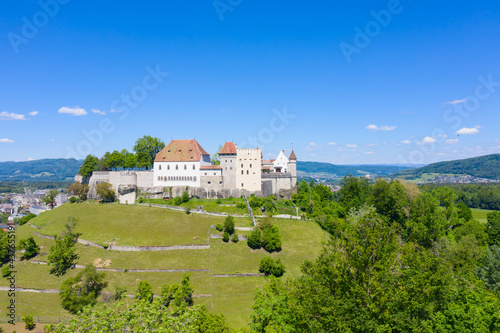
(292, 156)
(228, 149)
(181, 151)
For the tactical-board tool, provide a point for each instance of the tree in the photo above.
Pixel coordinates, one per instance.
(129, 160)
(90, 164)
(50, 198)
(25, 219)
(254, 241)
(268, 266)
(178, 297)
(62, 254)
(185, 196)
(106, 192)
(30, 248)
(29, 323)
(144, 291)
(229, 225)
(216, 157)
(489, 268)
(78, 189)
(146, 149)
(5, 248)
(82, 290)
(271, 239)
(493, 228)
(115, 160)
(354, 192)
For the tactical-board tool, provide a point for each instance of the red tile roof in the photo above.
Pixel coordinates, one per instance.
(181, 151)
(292, 156)
(210, 167)
(228, 149)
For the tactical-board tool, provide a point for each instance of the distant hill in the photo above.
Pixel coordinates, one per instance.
(334, 170)
(59, 169)
(487, 166)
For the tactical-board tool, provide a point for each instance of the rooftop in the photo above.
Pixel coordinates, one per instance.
(228, 149)
(181, 151)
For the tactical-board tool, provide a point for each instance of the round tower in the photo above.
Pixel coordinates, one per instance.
(292, 167)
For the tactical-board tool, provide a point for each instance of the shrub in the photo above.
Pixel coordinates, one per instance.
(105, 192)
(255, 239)
(234, 238)
(219, 227)
(219, 201)
(241, 205)
(29, 323)
(30, 248)
(177, 201)
(268, 266)
(225, 237)
(229, 225)
(271, 239)
(73, 200)
(5, 271)
(25, 219)
(185, 196)
(188, 211)
(144, 291)
(119, 292)
(141, 200)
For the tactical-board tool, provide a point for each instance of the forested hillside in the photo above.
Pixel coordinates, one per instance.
(342, 170)
(60, 169)
(487, 166)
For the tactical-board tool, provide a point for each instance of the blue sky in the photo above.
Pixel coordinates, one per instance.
(344, 82)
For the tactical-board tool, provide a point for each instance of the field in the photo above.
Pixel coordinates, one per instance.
(143, 225)
(480, 214)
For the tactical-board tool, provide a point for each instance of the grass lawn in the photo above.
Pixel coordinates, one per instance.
(228, 206)
(128, 224)
(232, 296)
(480, 214)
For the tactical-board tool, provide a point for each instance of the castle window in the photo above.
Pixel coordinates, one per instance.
(176, 167)
(247, 172)
(185, 167)
(230, 168)
(194, 167)
(241, 171)
(242, 165)
(241, 184)
(209, 183)
(250, 165)
(220, 182)
(226, 161)
(158, 177)
(168, 167)
(159, 167)
(215, 174)
(194, 178)
(205, 173)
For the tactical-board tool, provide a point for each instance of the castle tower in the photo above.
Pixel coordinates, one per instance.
(292, 167)
(227, 156)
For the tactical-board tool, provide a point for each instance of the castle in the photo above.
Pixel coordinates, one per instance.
(183, 165)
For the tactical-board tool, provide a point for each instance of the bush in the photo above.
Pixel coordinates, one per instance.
(225, 237)
(219, 227)
(188, 211)
(144, 291)
(29, 323)
(119, 292)
(219, 201)
(177, 201)
(25, 219)
(185, 196)
(5, 271)
(268, 266)
(271, 239)
(229, 225)
(234, 238)
(105, 192)
(241, 205)
(255, 239)
(73, 200)
(30, 248)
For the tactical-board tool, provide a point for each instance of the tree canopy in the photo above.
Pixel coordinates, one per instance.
(146, 149)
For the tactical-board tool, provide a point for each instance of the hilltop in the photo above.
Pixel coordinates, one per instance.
(338, 171)
(487, 166)
(60, 169)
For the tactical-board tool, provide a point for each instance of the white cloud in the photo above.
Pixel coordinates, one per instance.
(30, 158)
(351, 146)
(312, 143)
(373, 128)
(438, 154)
(332, 144)
(457, 101)
(406, 142)
(11, 116)
(98, 112)
(5, 140)
(34, 113)
(372, 144)
(452, 141)
(468, 131)
(52, 139)
(74, 111)
(369, 153)
(115, 111)
(427, 140)
(442, 136)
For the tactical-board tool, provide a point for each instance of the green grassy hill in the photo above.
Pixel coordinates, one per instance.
(487, 166)
(60, 169)
(143, 225)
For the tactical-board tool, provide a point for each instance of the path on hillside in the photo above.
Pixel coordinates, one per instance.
(137, 270)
